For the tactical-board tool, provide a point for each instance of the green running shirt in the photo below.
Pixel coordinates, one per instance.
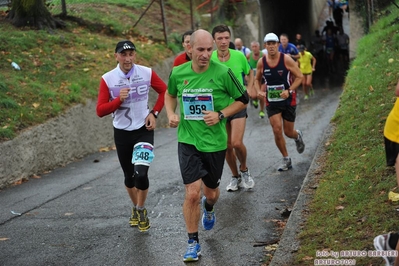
(237, 62)
(210, 90)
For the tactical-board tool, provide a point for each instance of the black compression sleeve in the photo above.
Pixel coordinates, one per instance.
(243, 98)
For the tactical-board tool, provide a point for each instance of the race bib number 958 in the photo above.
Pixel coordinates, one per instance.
(194, 104)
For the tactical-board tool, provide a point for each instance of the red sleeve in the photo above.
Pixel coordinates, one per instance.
(180, 59)
(176, 61)
(160, 87)
(104, 106)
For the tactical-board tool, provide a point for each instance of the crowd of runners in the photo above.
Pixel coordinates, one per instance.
(206, 99)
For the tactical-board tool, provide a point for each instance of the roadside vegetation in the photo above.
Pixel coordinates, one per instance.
(62, 68)
(350, 205)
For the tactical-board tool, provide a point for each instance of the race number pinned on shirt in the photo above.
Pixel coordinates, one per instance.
(143, 154)
(273, 93)
(194, 104)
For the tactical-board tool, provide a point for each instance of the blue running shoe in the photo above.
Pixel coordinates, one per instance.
(208, 217)
(193, 251)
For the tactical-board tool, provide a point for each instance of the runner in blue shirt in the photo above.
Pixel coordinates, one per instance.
(286, 47)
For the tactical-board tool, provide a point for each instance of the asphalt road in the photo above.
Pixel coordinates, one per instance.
(78, 215)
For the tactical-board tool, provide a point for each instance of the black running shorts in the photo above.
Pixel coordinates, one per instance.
(195, 165)
(125, 141)
(288, 112)
(391, 151)
(240, 114)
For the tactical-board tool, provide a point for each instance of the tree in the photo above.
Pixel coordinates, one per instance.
(33, 13)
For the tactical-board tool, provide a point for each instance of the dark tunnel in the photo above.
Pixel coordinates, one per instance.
(290, 17)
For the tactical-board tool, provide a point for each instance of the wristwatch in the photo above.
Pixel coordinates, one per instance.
(155, 113)
(221, 115)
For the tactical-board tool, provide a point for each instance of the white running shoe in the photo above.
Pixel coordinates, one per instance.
(285, 165)
(234, 183)
(247, 180)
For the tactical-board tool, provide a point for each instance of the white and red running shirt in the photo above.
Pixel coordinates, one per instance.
(131, 113)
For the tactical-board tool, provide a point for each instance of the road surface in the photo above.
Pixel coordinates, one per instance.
(78, 215)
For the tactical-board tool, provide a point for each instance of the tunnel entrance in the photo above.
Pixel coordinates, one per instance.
(288, 17)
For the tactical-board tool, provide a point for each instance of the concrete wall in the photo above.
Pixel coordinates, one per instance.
(255, 18)
(64, 139)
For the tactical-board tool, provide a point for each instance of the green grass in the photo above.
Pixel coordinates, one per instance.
(350, 206)
(63, 67)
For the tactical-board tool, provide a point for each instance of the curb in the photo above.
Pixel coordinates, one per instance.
(289, 243)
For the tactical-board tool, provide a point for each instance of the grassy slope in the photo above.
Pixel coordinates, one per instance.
(63, 67)
(350, 206)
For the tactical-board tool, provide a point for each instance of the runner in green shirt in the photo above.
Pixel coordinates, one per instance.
(236, 149)
(203, 89)
(253, 59)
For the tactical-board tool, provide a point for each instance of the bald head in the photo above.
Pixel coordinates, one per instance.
(238, 43)
(201, 49)
(198, 35)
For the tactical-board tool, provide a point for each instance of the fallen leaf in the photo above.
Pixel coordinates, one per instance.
(104, 149)
(340, 207)
(35, 105)
(36, 176)
(271, 247)
(371, 88)
(20, 181)
(4, 238)
(281, 224)
(393, 196)
(68, 214)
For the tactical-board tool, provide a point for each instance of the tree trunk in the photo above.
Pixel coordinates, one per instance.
(32, 13)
